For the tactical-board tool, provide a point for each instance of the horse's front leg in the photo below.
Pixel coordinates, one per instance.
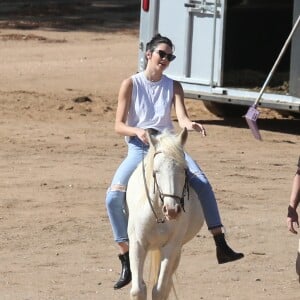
(170, 257)
(137, 255)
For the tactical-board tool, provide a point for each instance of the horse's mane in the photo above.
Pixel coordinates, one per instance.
(170, 146)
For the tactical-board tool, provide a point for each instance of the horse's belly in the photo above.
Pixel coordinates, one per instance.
(196, 217)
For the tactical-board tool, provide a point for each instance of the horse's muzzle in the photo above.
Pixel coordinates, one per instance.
(171, 213)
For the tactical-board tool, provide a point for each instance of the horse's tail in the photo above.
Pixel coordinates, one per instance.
(155, 260)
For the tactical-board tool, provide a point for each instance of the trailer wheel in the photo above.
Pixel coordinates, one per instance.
(295, 115)
(225, 110)
(287, 114)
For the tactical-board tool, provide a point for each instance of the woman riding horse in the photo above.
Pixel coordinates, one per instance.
(145, 101)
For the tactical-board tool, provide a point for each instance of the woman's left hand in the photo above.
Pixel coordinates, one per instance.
(199, 127)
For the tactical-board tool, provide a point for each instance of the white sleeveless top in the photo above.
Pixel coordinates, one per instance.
(151, 103)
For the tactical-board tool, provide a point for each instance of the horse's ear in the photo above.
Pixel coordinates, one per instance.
(183, 136)
(152, 139)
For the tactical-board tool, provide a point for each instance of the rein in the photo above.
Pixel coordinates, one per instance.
(162, 195)
(180, 199)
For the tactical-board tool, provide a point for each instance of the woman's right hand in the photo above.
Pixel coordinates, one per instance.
(142, 135)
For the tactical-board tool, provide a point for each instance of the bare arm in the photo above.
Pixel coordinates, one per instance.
(294, 202)
(181, 112)
(295, 194)
(124, 101)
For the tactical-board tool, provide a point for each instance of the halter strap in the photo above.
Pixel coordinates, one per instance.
(158, 220)
(162, 195)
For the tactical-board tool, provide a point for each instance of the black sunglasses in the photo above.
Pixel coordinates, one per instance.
(162, 54)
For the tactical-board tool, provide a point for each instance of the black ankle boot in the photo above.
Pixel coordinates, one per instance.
(125, 276)
(224, 252)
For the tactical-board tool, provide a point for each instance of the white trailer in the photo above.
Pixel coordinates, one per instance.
(225, 50)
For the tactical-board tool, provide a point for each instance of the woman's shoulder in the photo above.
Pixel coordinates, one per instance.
(166, 77)
(137, 78)
(169, 79)
(138, 75)
(127, 81)
(126, 85)
(177, 85)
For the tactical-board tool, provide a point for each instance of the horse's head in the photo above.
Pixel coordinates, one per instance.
(169, 171)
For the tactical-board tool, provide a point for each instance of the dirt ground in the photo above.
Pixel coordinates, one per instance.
(58, 156)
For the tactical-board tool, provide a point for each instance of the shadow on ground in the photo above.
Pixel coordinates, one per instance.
(289, 126)
(67, 15)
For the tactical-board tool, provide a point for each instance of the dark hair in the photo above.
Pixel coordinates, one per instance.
(158, 39)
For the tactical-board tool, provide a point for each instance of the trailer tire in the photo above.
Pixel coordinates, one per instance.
(287, 114)
(225, 110)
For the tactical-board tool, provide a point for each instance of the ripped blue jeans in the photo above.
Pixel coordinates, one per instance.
(115, 197)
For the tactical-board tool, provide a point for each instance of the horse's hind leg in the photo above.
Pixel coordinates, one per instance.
(169, 265)
(137, 260)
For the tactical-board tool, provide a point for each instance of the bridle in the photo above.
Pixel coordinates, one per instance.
(178, 199)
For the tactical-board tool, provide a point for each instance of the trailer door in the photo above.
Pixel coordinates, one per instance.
(196, 28)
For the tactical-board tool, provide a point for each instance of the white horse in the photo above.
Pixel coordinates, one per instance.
(164, 214)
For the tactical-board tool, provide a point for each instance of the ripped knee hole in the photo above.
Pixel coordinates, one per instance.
(118, 187)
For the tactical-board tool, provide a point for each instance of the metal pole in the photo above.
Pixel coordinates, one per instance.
(277, 61)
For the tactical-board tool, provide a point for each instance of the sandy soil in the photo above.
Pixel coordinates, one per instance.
(58, 156)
